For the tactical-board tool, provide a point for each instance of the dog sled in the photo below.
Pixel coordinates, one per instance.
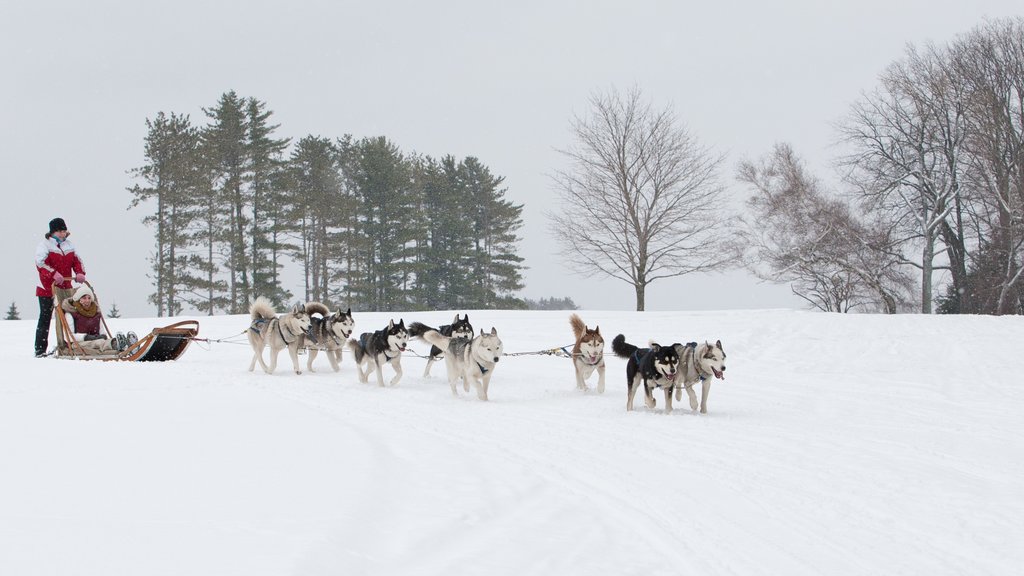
(160, 345)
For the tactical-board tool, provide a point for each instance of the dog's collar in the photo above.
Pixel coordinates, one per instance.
(481, 367)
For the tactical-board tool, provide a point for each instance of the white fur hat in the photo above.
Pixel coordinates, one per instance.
(82, 291)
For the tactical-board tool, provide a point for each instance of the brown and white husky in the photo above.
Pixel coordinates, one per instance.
(587, 353)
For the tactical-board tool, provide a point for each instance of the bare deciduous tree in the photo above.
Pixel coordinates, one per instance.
(795, 233)
(640, 198)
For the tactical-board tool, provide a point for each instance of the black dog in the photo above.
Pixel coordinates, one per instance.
(376, 348)
(457, 329)
(655, 366)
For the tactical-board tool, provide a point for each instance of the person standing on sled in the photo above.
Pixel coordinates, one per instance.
(85, 323)
(57, 263)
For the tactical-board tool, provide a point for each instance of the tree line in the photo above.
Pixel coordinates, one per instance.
(931, 191)
(367, 225)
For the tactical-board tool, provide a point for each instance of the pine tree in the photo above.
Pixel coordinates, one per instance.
(12, 312)
(265, 167)
(113, 312)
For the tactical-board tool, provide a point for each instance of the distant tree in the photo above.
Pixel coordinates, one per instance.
(640, 199)
(12, 312)
(114, 312)
(265, 165)
(795, 233)
(551, 304)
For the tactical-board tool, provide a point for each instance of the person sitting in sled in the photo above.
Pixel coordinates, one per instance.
(86, 320)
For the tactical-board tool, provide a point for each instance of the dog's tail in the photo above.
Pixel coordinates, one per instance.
(579, 328)
(357, 350)
(417, 330)
(622, 348)
(317, 308)
(437, 339)
(262, 309)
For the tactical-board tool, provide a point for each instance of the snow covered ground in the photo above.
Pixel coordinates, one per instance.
(838, 444)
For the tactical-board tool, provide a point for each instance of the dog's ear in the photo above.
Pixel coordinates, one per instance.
(718, 344)
(655, 347)
(456, 318)
(401, 323)
(482, 332)
(391, 324)
(349, 311)
(494, 331)
(597, 329)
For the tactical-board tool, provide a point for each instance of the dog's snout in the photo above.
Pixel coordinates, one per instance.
(496, 358)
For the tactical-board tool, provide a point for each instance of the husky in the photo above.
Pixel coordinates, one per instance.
(655, 366)
(459, 328)
(376, 348)
(472, 360)
(327, 332)
(699, 363)
(587, 354)
(277, 332)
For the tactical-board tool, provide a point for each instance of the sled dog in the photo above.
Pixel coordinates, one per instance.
(588, 353)
(656, 367)
(699, 363)
(472, 360)
(327, 332)
(459, 328)
(277, 332)
(376, 348)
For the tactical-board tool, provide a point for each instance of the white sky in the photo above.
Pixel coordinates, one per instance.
(463, 78)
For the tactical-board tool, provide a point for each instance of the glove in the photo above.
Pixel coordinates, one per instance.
(58, 278)
(80, 278)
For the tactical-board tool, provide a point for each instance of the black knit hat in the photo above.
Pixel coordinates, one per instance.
(57, 225)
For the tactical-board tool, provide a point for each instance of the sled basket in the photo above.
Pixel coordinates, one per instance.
(160, 345)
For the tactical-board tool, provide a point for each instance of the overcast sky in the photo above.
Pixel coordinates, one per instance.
(464, 78)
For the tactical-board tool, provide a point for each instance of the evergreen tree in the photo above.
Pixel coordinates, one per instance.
(12, 312)
(265, 166)
(171, 152)
(114, 312)
(226, 146)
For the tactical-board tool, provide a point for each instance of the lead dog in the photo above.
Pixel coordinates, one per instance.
(459, 328)
(380, 347)
(699, 363)
(472, 360)
(656, 367)
(327, 332)
(587, 354)
(277, 332)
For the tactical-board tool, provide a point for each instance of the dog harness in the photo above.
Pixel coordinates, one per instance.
(481, 367)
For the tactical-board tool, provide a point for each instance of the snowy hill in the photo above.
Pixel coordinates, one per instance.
(838, 444)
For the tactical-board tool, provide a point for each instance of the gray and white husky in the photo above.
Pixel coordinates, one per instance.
(699, 363)
(380, 347)
(459, 328)
(587, 353)
(277, 332)
(472, 360)
(327, 332)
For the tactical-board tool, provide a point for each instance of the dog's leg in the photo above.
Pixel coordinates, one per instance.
(668, 400)
(364, 377)
(692, 395)
(380, 372)
(679, 392)
(633, 385)
(581, 384)
(704, 395)
(309, 360)
(481, 390)
(649, 396)
(426, 371)
(397, 365)
(273, 359)
(293, 351)
(334, 357)
(600, 378)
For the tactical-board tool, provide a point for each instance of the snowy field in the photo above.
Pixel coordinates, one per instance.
(837, 445)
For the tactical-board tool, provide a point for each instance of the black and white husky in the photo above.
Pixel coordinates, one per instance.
(380, 347)
(699, 363)
(472, 360)
(459, 328)
(277, 332)
(656, 367)
(327, 332)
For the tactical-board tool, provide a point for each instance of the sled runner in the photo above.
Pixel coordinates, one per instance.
(161, 344)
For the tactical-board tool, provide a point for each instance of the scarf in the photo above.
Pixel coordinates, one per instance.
(87, 312)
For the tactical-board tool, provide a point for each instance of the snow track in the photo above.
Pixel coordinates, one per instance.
(837, 445)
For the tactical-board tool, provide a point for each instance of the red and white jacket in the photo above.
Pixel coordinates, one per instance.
(53, 256)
